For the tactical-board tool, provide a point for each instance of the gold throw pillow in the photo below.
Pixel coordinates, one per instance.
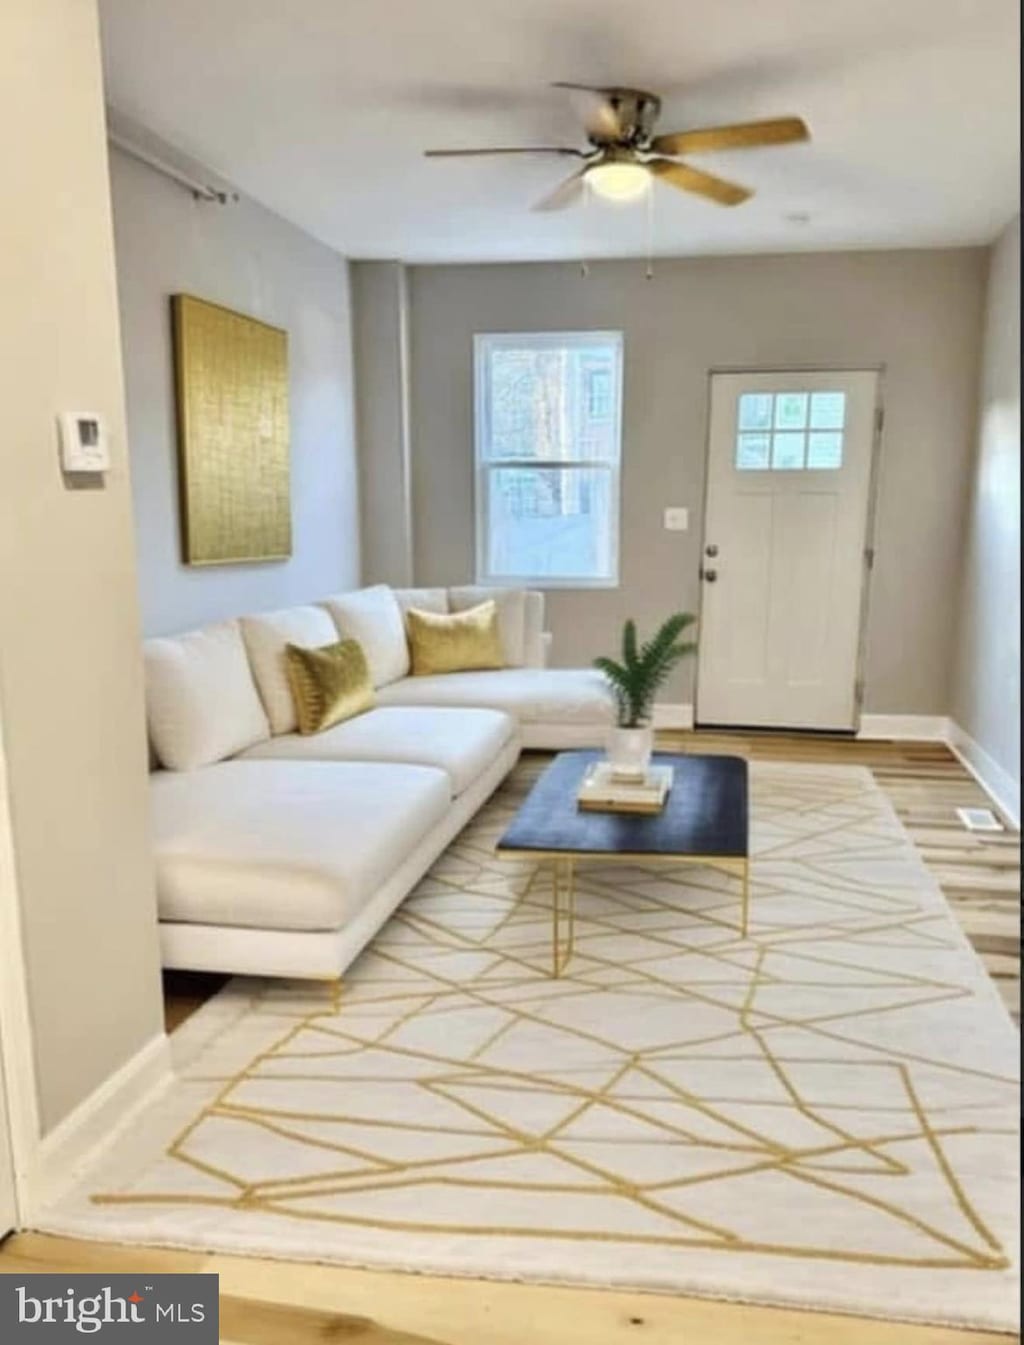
(328, 684)
(455, 642)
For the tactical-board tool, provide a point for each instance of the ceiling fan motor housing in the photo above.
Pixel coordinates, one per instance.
(636, 112)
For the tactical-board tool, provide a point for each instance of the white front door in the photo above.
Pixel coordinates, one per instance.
(784, 560)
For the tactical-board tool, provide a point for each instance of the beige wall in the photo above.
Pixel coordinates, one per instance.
(916, 312)
(70, 674)
(986, 700)
(249, 259)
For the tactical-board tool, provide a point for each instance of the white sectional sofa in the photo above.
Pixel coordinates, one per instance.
(282, 855)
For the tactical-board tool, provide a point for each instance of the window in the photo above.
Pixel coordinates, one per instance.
(548, 441)
(790, 431)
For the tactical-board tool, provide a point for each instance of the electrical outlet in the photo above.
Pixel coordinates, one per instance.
(677, 519)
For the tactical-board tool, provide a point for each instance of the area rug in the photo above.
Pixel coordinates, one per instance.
(822, 1115)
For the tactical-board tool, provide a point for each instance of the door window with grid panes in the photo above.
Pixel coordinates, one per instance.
(790, 431)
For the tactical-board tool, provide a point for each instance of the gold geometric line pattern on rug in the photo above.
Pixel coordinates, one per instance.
(436, 1039)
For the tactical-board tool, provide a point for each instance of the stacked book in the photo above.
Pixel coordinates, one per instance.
(604, 791)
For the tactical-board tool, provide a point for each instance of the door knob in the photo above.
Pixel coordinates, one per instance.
(710, 576)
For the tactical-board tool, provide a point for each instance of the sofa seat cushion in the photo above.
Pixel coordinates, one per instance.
(532, 695)
(462, 743)
(296, 845)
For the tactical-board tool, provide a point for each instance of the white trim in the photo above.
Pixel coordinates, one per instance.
(96, 1122)
(997, 782)
(17, 1061)
(905, 728)
(673, 716)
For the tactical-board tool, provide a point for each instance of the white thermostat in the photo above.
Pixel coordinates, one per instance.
(83, 442)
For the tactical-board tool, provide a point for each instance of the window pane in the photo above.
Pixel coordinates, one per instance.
(545, 401)
(755, 411)
(752, 452)
(828, 410)
(544, 523)
(787, 452)
(825, 451)
(790, 410)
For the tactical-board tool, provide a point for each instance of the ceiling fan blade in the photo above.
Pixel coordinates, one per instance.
(689, 179)
(518, 149)
(567, 193)
(742, 135)
(596, 109)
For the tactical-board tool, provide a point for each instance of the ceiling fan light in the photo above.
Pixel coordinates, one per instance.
(618, 181)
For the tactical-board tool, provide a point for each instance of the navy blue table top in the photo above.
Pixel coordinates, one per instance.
(705, 812)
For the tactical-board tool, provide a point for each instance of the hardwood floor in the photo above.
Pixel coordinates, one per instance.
(290, 1303)
(272, 1301)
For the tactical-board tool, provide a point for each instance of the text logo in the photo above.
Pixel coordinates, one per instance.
(132, 1308)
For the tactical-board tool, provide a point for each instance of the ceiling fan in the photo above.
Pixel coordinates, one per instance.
(625, 156)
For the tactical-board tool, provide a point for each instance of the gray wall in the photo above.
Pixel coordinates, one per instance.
(916, 312)
(380, 311)
(70, 668)
(986, 701)
(249, 259)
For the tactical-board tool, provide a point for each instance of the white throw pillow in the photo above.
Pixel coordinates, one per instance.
(266, 635)
(201, 702)
(511, 604)
(373, 617)
(423, 599)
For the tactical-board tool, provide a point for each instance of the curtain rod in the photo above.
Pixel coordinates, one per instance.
(201, 191)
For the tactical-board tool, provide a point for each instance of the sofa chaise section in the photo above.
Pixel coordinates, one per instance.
(288, 868)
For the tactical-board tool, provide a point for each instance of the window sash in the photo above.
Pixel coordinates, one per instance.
(610, 466)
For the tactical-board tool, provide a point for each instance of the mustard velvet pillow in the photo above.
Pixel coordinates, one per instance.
(328, 684)
(454, 642)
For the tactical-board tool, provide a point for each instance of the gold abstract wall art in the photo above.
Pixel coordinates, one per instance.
(233, 448)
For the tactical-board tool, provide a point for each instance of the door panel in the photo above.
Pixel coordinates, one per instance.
(789, 472)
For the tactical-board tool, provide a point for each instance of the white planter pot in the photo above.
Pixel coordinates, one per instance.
(629, 750)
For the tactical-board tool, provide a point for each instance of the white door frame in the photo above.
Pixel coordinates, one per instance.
(17, 1060)
(832, 367)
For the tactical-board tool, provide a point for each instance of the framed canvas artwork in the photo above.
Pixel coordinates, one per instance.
(231, 374)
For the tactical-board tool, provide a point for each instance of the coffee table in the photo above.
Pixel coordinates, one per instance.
(704, 821)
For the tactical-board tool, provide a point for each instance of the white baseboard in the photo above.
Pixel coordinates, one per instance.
(95, 1123)
(998, 783)
(678, 716)
(905, 728)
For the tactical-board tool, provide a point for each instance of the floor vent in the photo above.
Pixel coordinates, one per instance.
(979, 819)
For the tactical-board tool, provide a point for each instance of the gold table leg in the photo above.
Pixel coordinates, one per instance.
(562, 888)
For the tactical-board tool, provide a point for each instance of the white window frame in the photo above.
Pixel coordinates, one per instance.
(483, 344)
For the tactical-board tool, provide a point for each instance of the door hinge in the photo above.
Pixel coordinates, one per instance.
(879, 419)
(858, 692)
(869, 557)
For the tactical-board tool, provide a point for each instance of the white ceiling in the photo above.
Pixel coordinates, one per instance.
(321, 108)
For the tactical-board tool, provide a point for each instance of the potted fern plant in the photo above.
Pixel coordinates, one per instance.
(635, 682)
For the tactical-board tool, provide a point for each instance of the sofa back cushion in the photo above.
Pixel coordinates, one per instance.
(266, 635)
(511, 605)
(423, 599)
(201, 702)
(373, 617)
